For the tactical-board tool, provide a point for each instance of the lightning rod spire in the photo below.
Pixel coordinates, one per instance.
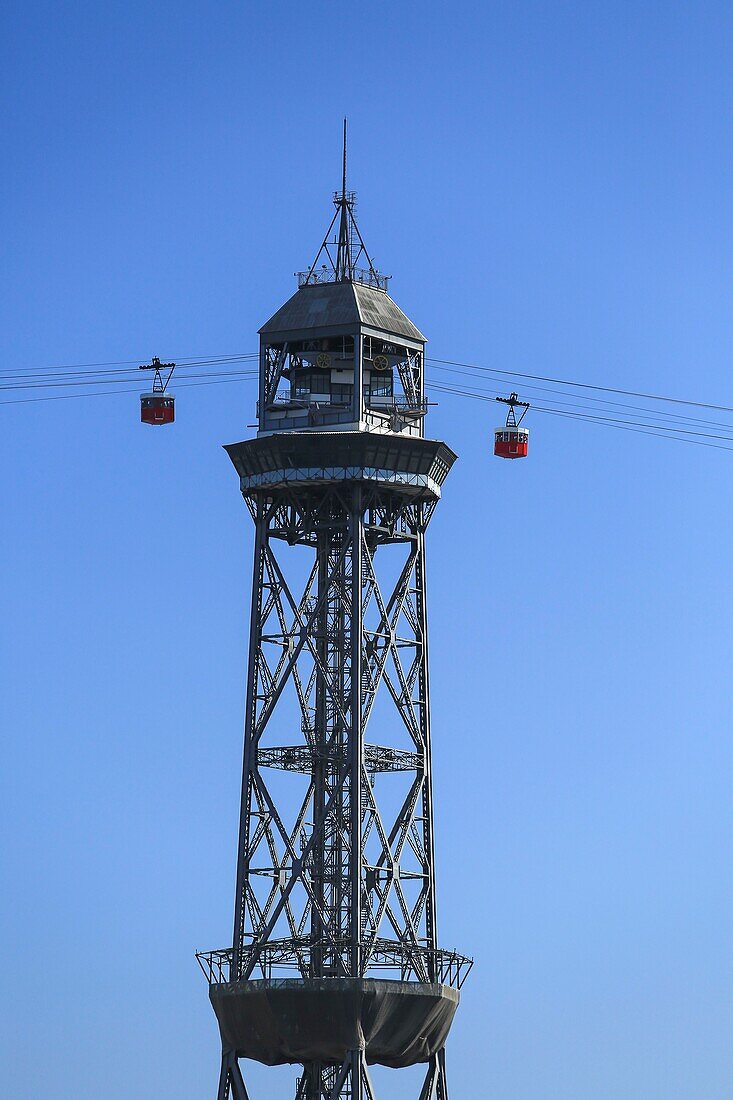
(346, 255)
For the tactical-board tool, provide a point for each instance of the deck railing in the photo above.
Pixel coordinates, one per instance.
(292, 957)
(379, 403)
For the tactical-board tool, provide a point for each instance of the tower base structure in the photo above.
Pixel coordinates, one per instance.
(347, 1080)
(334, 994)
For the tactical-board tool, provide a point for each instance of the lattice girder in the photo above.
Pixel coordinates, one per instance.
(335, 873)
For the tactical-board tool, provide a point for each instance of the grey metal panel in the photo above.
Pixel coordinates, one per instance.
(327, 305)
(377, 308)
(374, 330)
(318, 306)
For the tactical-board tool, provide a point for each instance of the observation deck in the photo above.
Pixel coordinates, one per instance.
(408, 464)
(399, 1019)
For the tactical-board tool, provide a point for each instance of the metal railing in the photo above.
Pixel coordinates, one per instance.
(377, 402)
(397, 404)
(402, 961)
(363, 275)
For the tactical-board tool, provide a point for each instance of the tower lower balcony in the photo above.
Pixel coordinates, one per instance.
(399, 1013)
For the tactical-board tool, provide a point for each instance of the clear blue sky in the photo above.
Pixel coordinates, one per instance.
(550, 185)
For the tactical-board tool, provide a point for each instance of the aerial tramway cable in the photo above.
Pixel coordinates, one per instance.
(660, 431)
(238, 376)
(583, 385)
(587, 406)
(603, 401)
(48, 374)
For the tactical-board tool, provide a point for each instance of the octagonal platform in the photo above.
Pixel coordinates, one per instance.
(396, 1023)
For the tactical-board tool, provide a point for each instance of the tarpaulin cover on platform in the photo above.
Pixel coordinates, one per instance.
(397, 1023)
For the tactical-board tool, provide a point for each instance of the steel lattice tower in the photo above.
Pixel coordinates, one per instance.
(335, 962)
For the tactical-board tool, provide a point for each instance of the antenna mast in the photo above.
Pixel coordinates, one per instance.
(347, 257)
(344, 264)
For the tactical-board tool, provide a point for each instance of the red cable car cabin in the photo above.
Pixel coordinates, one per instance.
(157, 408)
(511, 442)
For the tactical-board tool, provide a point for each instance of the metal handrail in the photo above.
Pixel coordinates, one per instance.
(363, 275)
(410, 961)
(386, 402)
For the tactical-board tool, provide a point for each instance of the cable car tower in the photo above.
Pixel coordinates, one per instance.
(335, 963)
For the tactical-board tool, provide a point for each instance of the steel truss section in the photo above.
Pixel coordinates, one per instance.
(344, 886)
(352, 1081)
(349, 1081)
(231, 1082)
(320, 641)
(303, 758)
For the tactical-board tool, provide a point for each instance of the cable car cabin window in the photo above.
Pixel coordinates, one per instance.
(155, 408)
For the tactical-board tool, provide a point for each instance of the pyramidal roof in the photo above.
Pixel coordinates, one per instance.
(331, 305)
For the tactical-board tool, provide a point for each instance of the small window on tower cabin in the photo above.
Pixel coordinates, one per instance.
(381, 385)
(341, 394)
(301, 384)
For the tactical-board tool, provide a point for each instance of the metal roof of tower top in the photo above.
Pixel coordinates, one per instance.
(345, 303)
(341, 292)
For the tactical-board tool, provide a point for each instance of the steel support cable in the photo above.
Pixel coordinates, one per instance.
(595, 414)
(453, 391)
(31, 379)
(597, 401)
(643, 431)
(590, 410)
(243, 374)
(21, 381)
(203, 360)
(583, 385)
(132, 364)
(114, 392)
(663, 429)
(656, 430)
(626, 428)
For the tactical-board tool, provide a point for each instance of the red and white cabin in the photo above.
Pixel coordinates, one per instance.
(511, 442)
(157, 408)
